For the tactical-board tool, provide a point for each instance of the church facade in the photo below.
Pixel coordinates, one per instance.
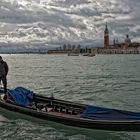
(116, 45)
(126, 47)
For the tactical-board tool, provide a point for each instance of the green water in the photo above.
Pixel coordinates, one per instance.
(104, 80)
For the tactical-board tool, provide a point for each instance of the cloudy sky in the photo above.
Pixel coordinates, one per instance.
(67, 21)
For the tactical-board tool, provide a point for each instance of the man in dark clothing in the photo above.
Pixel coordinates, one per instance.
(3, 73)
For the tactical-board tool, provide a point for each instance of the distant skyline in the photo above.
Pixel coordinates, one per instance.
(52, 22)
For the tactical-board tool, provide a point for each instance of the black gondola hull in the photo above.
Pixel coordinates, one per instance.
(71, 120)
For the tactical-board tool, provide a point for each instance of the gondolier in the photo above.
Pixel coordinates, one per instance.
(3, 73)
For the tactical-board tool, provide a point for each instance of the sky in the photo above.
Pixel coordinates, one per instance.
(55, 22)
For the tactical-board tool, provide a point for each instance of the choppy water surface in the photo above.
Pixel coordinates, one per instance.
(104, 80)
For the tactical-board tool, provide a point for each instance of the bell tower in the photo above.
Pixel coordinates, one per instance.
(106, 37)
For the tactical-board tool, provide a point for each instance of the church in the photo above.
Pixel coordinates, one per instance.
(125, 47)
(116, 45)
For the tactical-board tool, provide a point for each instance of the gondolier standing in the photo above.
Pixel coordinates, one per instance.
(3, 73)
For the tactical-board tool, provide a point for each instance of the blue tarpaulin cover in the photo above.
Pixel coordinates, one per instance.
(99, 113)
(21, 96)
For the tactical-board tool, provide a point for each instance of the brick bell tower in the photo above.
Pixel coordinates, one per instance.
(106, 37)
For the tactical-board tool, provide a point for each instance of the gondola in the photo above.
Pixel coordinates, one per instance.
(75, 114)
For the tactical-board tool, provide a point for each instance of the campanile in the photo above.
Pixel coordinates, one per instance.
(106, 37)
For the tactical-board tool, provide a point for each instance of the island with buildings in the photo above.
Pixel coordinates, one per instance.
(126, 47)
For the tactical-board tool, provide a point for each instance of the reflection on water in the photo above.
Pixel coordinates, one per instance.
(3, 119)
(105, 80)
(32, 128)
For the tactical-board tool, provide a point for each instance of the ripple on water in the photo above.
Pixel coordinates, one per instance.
(105, 80)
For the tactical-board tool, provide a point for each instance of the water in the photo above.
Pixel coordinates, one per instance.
(104, 80)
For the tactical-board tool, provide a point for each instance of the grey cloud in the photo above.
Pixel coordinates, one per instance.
(68, 20)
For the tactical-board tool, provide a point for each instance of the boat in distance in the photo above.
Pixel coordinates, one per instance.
(75, 114)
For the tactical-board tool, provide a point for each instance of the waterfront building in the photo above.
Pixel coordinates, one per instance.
(126, 47)
(116, 45)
